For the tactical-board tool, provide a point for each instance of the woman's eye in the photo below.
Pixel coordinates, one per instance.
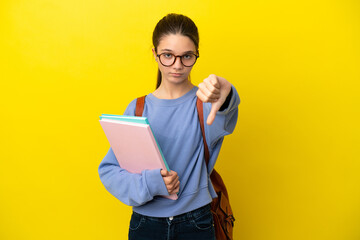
(168, 55)
(187, 56)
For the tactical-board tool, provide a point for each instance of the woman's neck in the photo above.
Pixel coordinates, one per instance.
(172, 91)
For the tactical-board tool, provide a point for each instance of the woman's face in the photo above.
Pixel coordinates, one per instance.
(177, 45)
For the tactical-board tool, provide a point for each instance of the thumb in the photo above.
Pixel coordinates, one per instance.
(164, 173)
(215, 106)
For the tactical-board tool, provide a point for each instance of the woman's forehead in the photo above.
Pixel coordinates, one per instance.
(176, 43)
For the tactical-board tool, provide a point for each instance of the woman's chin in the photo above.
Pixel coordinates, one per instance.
(178, 80)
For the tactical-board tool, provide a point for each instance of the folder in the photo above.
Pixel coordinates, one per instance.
(133, 144)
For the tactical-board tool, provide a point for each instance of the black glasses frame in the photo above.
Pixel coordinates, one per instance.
(176, 56)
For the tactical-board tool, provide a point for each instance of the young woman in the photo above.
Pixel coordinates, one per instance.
(172, 113)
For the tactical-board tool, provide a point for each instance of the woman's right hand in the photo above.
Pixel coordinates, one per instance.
(171, 180)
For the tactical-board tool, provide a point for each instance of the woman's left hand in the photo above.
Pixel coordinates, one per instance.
(213, 89)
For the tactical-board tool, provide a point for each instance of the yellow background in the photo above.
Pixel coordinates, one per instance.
(291, 166)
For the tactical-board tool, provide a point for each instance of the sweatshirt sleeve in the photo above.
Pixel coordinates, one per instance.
(225, 120)
(130, 188)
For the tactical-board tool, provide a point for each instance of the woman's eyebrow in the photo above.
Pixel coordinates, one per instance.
(169, 50)
(188, 52)
(166, 50)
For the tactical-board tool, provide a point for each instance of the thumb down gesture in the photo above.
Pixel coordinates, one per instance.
(213, 89)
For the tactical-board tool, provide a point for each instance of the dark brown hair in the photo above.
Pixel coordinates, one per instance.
(174, 24)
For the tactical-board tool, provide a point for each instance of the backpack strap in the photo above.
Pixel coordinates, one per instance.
(199, 106)
(140, 103)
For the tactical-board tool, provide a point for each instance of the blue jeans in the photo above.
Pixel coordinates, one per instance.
(194, 225)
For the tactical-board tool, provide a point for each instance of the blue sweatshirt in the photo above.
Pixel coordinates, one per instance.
(176, 127)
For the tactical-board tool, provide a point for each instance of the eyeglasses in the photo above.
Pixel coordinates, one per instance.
(168, 59)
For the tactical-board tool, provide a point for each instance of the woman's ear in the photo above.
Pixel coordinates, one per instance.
(154, 53)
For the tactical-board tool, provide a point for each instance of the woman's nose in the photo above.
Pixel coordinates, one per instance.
(178, 64)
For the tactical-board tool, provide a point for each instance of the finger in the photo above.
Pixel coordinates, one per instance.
(170, 178)
(173, 180)
(173, 174)
(208, 87)
(209, 90)
(171, 187)
(169, 181)
(203, 88)
(174, 177)
(214, 80)
(204, 98)
(212, 85)
(175, 188)
(177, 185)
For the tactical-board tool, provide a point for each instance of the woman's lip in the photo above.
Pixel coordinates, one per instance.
(176, 74)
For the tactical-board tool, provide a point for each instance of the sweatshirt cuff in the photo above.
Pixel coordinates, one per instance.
(155, 182)
(227, 101)
(232, 100)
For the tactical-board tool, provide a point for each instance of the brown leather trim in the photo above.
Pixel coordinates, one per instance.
(199, 106)
(140, 103)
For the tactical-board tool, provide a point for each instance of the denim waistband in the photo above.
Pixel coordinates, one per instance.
(182, 217)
